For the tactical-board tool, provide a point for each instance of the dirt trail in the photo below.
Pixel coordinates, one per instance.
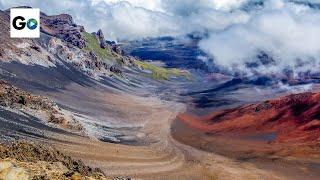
(163, 157)
(124, 160)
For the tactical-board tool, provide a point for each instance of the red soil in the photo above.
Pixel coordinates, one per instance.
(293, 118)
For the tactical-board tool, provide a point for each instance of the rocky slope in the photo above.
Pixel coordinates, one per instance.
(61, 41)
(98, 95)
(112, 98)
(35, 161)
(279, 135)
(64, 55)
(294, 118)
(16, 99)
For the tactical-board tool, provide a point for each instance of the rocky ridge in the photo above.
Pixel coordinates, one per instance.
(62, 41)
(63, 27)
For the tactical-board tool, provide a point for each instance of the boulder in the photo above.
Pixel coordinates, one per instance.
(10, 171)
(35, 47)
(115, 47)
(115, 69)
(100, 38)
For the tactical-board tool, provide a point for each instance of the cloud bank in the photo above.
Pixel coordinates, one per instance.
(288, 33)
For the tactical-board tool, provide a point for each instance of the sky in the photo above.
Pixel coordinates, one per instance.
(286, 31)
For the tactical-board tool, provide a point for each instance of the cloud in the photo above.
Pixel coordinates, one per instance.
(287, 32)
(122, 20)
(153, 5)
(228, 4)
(136, 19)
(117, 19)
(187, 7)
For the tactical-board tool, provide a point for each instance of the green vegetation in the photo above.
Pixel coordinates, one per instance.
(160, 73)
(93, 45)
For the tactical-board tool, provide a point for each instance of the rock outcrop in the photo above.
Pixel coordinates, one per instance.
(115, 47)
(62, 41)
(100, 37)
(63, 27)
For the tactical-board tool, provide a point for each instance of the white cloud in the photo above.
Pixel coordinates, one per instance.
(122, 20)
(228, 4)
(134, 19)
(154, 5)
(287, 32)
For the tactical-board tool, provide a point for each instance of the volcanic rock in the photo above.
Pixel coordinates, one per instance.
(63, 27)
(115, 47)
(35, 47)
(100, 37)
(115, 70)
